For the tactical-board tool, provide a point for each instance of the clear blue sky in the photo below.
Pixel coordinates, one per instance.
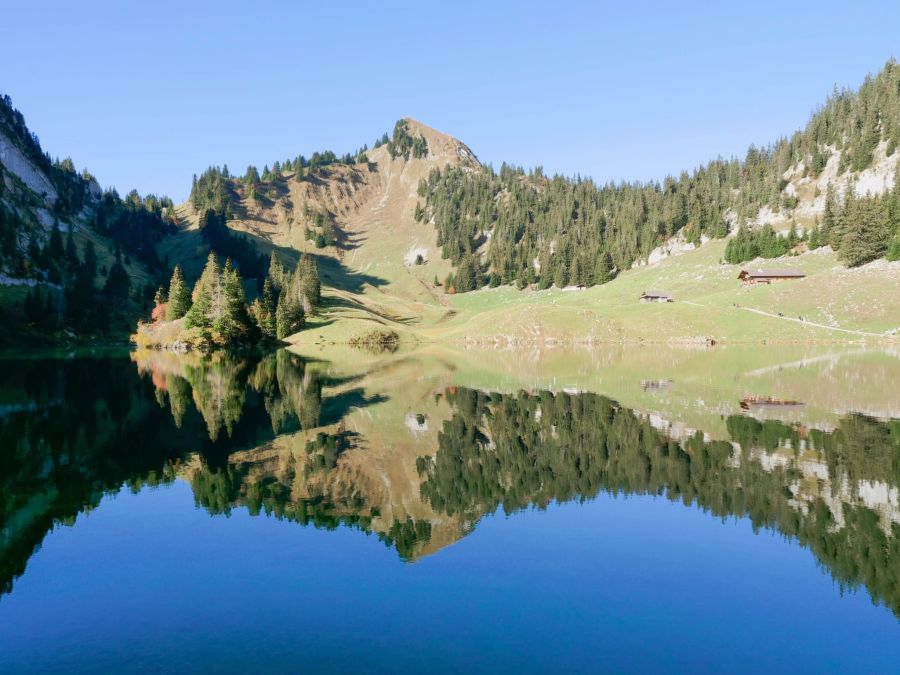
(146, 94)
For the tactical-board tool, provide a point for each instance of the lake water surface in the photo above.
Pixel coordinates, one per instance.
(734, 508)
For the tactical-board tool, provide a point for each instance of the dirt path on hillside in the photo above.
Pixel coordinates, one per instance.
(802, 322)
(813, 323)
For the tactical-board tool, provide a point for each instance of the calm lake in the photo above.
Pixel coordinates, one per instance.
(623, 509)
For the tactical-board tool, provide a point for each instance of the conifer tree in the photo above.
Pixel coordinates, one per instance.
(55, 248)
(814, 241)
(831, 234)
(199, 315)
(210, 284)
(33, 305)
(467, 276)
(266, 310)
(289, 317)
(179, 296)
(276, 271)
(251, 177)
(234, 321)
(893, 252)
(309, 286)
(80, 303)
(207, 297)
(866, 228)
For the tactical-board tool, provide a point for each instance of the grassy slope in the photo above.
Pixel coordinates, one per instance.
(369, 285)
(706, 296)
(367, 281)
(710, 302)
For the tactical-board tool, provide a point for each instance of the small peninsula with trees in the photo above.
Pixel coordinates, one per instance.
(216, 313)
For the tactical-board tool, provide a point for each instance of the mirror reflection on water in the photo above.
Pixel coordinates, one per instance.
(629, 507)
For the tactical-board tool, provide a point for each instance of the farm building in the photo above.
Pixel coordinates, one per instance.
(757, 403)
(752, 277)
(656, 296)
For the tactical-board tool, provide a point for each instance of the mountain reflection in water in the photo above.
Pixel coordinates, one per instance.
(280, 436)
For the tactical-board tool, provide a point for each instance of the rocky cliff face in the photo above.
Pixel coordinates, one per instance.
(38, 194)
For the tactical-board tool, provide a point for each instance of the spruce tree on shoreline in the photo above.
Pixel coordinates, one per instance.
(179, 296)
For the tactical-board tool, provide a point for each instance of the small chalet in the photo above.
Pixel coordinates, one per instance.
(762, 402)
(656, 296)
(753, 277)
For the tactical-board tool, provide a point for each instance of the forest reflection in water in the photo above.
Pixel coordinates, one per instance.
(420, 463)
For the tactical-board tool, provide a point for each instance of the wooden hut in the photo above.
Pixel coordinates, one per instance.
(753, 277)
(655, 296)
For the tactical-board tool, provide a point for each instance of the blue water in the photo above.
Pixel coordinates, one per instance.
(148, 581)
(152, 520)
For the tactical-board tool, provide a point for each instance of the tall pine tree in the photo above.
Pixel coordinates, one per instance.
(179, 296)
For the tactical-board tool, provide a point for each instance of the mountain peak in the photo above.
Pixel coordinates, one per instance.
(442, 147)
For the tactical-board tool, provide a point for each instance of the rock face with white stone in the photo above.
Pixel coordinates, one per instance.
(674, 246)
(18, 164)
(809, 192)
(414, 254)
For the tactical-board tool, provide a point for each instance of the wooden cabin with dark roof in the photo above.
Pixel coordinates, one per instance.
(655, 296)
(753, 277)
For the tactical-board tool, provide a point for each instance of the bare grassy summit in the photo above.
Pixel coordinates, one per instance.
(382, 264)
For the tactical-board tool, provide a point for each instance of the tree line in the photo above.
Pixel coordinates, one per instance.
(68, 288)
(520, 227)
(217, 312)
(79, 294)
(860, 229)
(403, 144)
(216, 188)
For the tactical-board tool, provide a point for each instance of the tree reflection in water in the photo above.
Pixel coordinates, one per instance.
(271, 435)
(834, 492)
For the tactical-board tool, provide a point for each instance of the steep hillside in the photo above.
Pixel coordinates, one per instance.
(523, 227)
(76, 263)
(831, 184)
(356, 217)
(401, 233)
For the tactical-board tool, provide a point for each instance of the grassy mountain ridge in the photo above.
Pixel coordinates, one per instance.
(537, 232)
(355, 215)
